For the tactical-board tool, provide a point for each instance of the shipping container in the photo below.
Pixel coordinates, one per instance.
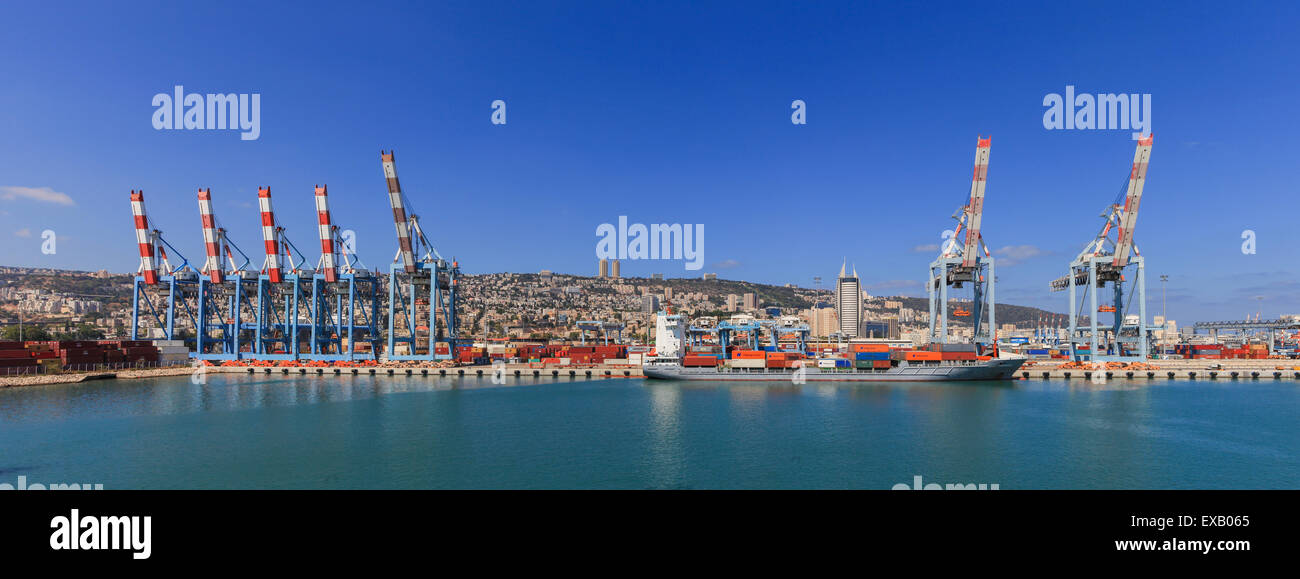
(871, 356)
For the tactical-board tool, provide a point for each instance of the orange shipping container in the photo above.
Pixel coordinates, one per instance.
(748, 354)
(870, 348)
(924, 356)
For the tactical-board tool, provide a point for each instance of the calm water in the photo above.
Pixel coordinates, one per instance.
(239, 431)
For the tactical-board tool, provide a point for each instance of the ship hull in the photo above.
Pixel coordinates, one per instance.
(988, 370)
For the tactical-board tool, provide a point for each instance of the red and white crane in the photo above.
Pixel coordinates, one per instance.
(1132, 199)
(326, 229)
(970, 217)
(409, 233)
(395, 199)
(278, 254)
(270, 236)
(1103, 261)
(960, 262)
(1121, 216)
(149, 240)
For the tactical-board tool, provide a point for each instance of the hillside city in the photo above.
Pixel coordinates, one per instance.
(540, 306)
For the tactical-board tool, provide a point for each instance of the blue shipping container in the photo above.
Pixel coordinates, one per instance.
(864, 356)
(843, 363)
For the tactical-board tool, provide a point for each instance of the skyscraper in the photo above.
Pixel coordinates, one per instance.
(603, 270)
(649, 304)
(750, 302)
(614, 269)
(848, 302)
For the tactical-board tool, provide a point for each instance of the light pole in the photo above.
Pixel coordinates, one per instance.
(1164, 298)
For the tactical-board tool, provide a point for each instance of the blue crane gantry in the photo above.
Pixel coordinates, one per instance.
(344, 296)
(225, 299)
(421, 293)
(1104, 260)
(966, 262)
(159, 290)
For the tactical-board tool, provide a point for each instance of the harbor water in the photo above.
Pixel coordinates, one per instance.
(269, 432)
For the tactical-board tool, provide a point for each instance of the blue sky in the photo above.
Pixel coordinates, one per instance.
(669, 113)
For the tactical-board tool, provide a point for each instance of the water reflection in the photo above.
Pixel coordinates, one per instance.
(666, 454)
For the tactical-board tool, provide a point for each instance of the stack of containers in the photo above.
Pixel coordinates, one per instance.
(748, 359)
(923, 356)
(16, 359)
(700, 360)
(870, 355)
(172, 351)
(81, 353)
(950, 352)
(782, 359)
(1207, 351)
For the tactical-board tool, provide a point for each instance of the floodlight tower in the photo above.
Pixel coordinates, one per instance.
(223, 295)
(1117, 262)
(421, 292)
(159, 291)
(966, 260)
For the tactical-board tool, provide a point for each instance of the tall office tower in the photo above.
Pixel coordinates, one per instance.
(649, 304)
(731, 302)
(614, 270)
(603, 270)
(848, 302)
(751, 301)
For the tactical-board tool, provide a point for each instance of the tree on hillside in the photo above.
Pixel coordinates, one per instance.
(35, 333)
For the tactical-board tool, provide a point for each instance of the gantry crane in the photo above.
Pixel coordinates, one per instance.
(284, 313)
(224, 296)
(163, 292)
(1109, 261)
(344, 296)
(965, 259)
(421, 292)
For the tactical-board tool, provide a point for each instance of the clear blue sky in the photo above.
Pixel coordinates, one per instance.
(669, 112)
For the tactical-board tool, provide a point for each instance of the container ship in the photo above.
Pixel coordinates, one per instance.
(859, 362)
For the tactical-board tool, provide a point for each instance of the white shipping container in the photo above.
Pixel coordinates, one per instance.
(746, 363)
(634, 359)
(825, 363)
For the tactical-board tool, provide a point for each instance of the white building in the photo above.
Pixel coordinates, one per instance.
(848, 302)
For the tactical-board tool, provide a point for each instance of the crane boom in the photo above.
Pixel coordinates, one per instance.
(211, 239)
(399, 212)
(975, 208)
(326, 230)
(1128, 220)
(145, 239)
(270, 236)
